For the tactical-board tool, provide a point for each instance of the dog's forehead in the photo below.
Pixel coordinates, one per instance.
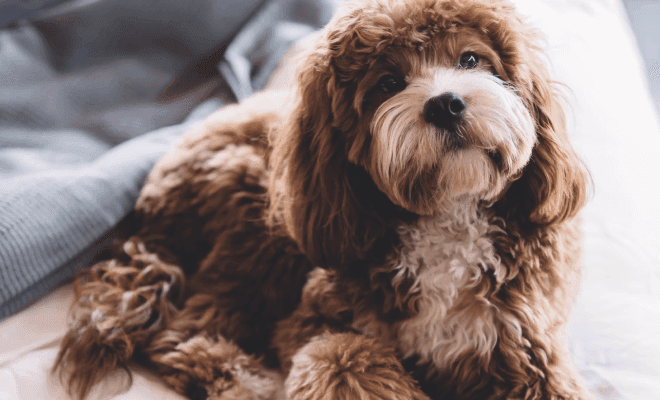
(368, 31)
(410, 23)
(442, 50)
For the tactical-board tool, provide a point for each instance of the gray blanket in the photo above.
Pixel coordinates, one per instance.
(93, 92)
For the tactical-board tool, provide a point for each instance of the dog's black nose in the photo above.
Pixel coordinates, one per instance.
(444, 111)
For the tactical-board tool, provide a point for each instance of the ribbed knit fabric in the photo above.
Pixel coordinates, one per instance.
(52, 223)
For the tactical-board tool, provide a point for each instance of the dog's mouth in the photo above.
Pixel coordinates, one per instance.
(456, 141)
(454, 138)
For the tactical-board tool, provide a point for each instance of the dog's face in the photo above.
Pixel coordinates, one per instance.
(442, 124)
(436, 101)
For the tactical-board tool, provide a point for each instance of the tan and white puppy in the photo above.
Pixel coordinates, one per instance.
(404, 226)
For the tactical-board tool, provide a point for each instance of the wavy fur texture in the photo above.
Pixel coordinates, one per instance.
(339, 243)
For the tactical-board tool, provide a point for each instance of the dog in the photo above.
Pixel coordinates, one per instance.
(404, 225)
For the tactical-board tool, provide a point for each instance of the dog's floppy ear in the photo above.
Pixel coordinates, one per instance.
(553, 186)
(326, 203)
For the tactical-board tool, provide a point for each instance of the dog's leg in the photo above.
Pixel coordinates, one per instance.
(201, 365)
(540, 369)
(119, 304)
(349, 366)
(326, 359)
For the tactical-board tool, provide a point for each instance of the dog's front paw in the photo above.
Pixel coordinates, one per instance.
(246, 384)
(349, 366)
(221, 389)
(213, 368)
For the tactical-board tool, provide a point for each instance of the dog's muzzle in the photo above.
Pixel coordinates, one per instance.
(446, 112)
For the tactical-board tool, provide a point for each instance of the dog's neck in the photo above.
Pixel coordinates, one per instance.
(448, 259)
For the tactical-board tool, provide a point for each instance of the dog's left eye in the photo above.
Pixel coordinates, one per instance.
(468, 60)
(388, 84)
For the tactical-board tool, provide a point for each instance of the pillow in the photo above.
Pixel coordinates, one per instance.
(615, 129)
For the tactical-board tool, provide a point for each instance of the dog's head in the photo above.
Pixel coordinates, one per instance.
(413, 106)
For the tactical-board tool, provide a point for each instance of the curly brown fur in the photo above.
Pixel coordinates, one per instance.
(201, 210)
(349, 366)
(447, 245)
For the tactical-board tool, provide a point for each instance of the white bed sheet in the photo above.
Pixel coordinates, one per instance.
(616, 325)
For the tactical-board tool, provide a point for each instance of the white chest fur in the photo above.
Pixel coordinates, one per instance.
(446, 258)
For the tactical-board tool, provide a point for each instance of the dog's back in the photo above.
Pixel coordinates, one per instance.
(200, 244)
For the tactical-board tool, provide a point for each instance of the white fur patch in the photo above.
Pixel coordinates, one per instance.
(446, 257)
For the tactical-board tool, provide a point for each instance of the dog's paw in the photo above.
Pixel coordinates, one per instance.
(120, 303)
(349, 366)
(213, 368)
(247, 384)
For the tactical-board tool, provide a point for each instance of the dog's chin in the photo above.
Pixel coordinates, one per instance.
(463, 175)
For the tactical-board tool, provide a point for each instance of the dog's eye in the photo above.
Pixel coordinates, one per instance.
(388, 84)
(468, 60)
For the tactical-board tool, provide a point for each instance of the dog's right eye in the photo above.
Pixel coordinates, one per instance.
(388, 84)
(468, 60)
